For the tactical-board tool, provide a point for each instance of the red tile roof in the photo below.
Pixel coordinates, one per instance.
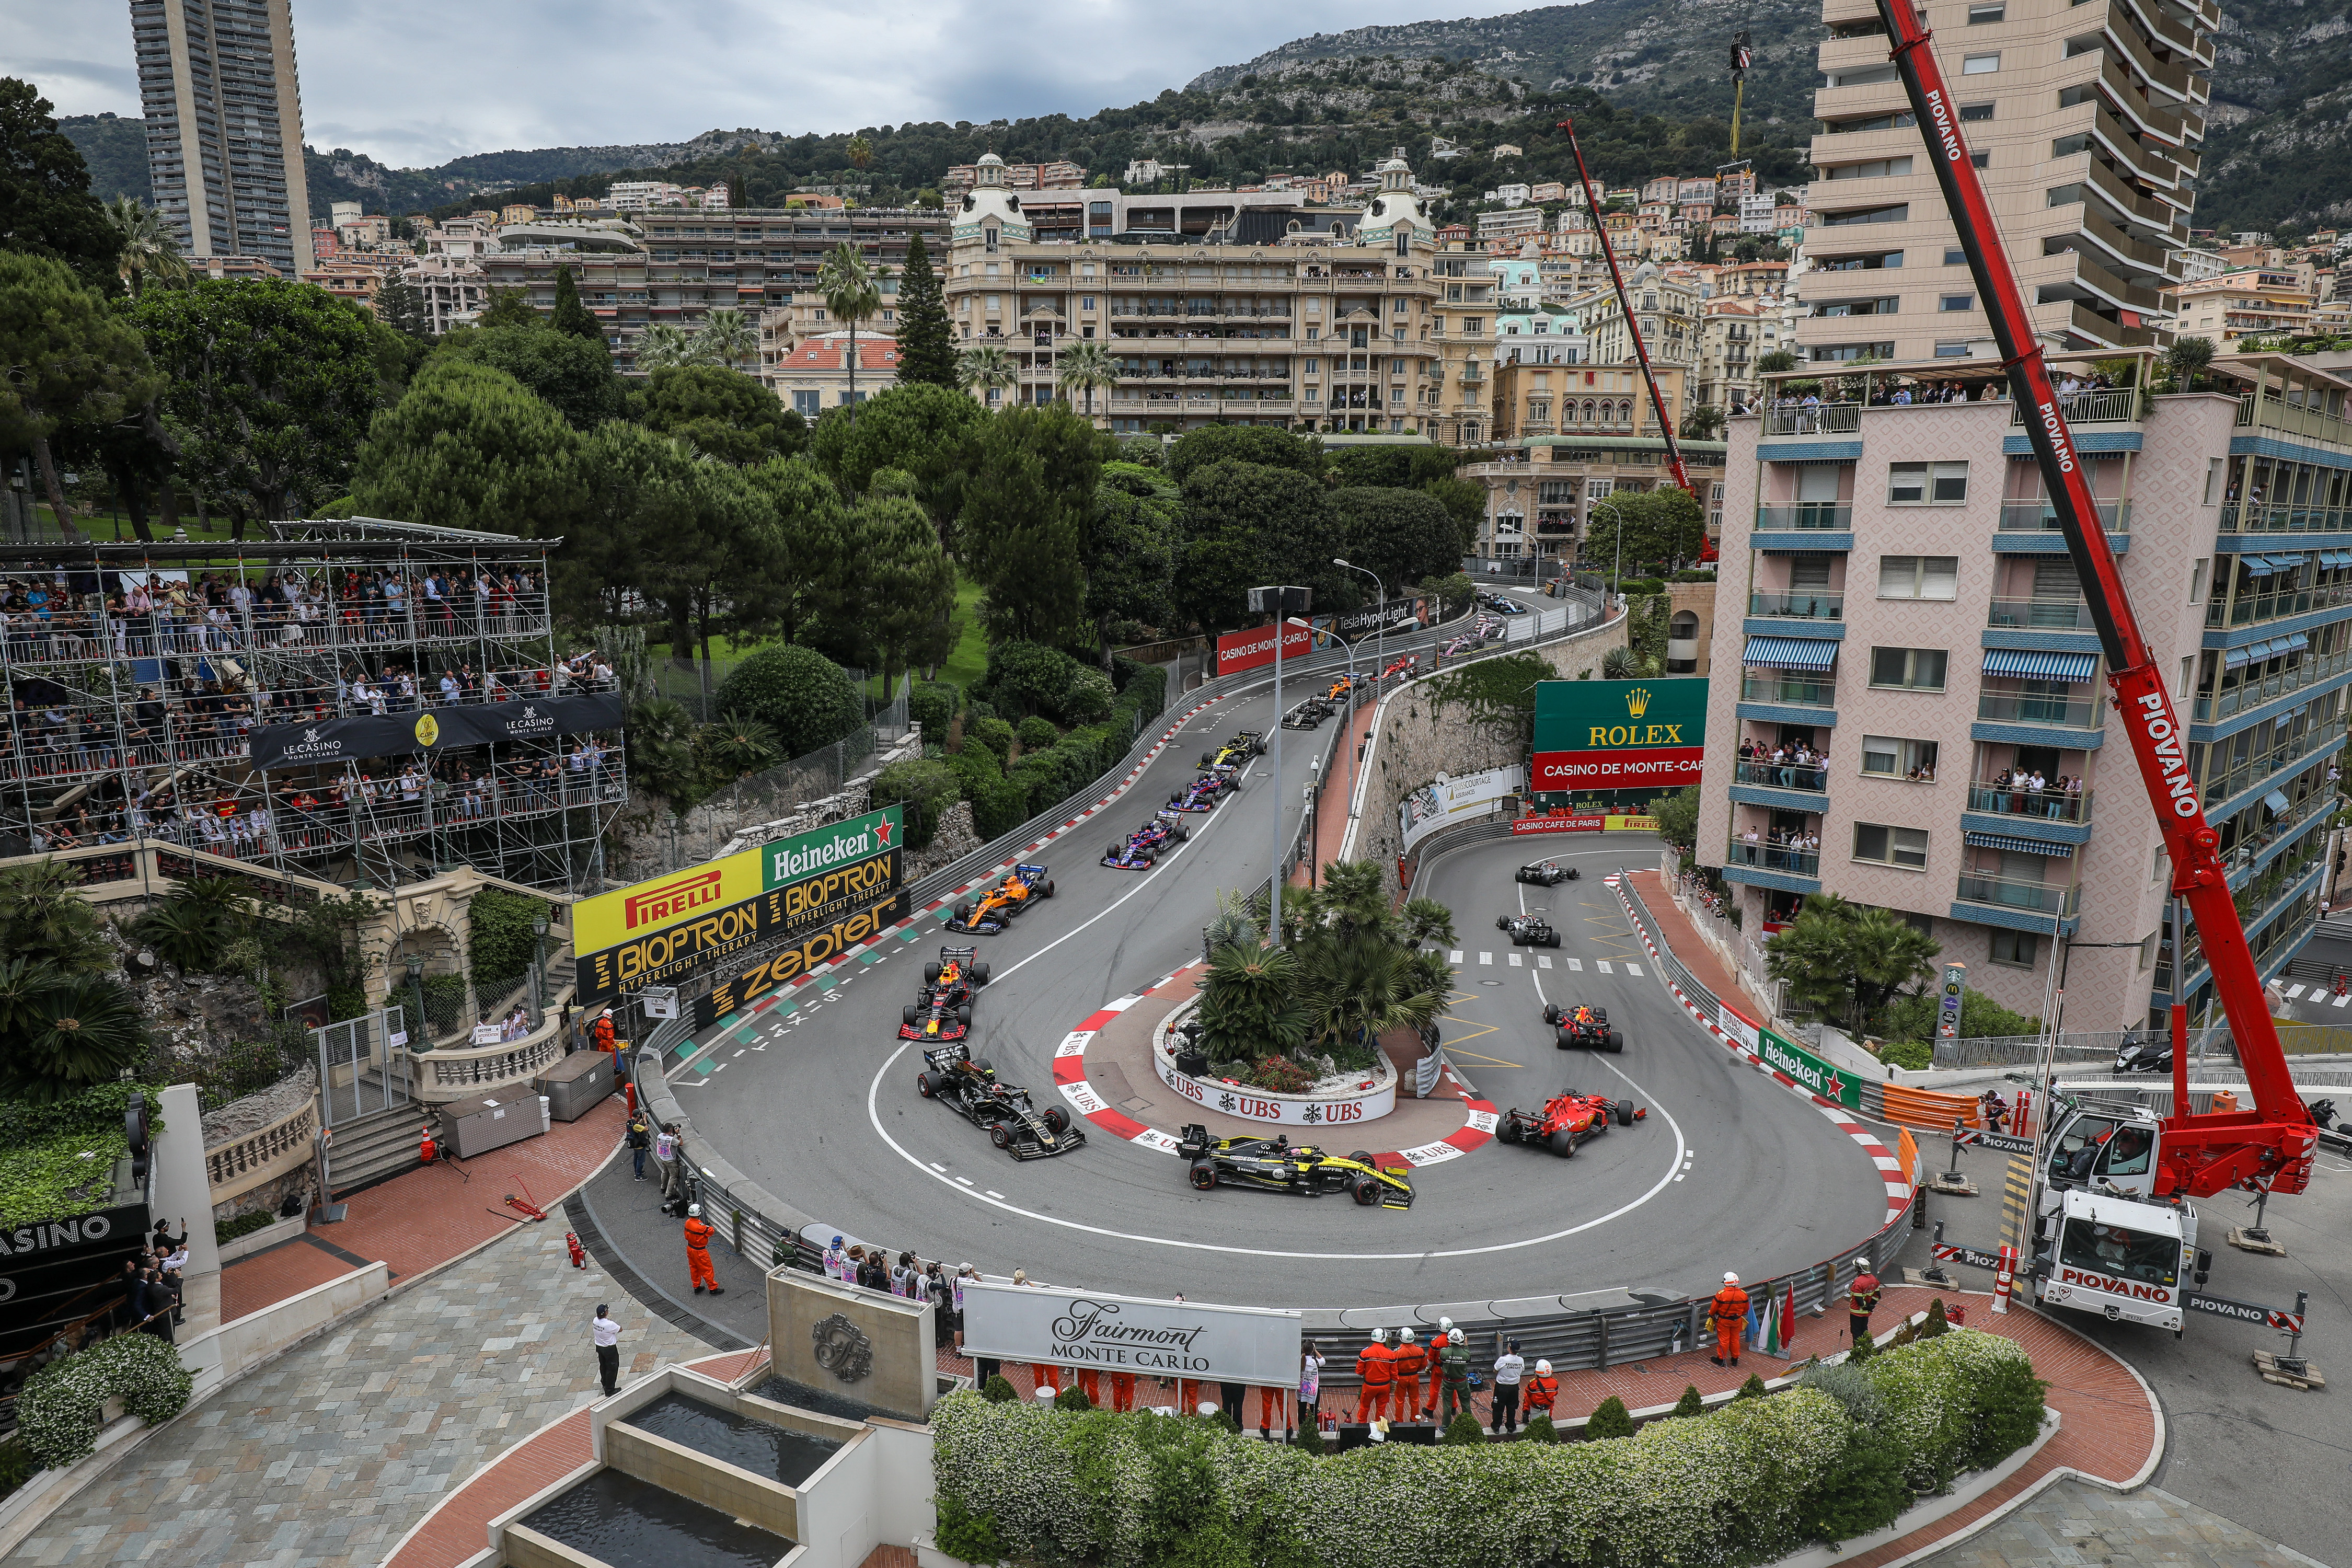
(833, 354)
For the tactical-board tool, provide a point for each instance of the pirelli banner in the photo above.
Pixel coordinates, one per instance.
(1619, 734)
(806, 898)
(333, 742)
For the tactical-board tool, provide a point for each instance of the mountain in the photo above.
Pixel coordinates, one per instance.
(2279, 151)
(115, 150)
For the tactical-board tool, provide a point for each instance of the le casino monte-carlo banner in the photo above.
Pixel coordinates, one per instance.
(1618, 734)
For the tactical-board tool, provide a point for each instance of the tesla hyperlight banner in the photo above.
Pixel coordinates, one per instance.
(1619, 734)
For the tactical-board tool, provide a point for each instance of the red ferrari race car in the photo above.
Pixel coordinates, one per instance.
(1583, 1025)
(1409, 665)
(1567, 1121)
(1203, 792)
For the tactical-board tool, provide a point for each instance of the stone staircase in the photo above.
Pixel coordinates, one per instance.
(373, 1148)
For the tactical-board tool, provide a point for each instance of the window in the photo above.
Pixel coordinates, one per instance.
(1911, 668)
(1955, 256)
(1892, 758)
(1951, 348)
(1471, 326)
(1979, 65)
(2014, 948)
(1877, 168)
(1969, 111)
(1086, 302)
(1918, 576)
(1862, 76)
(2067, 146)
(1993, 11)
(1898, 213)
(1981, 160)
(1903, 846)
(1956, 302)
(1926, 484)
(805, 403)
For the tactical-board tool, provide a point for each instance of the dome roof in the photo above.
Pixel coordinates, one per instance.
(991, 160)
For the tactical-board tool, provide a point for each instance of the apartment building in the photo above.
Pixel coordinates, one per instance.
(1665, 304)
(452, 290)
(224, 119)
(1058, 175)
(1913, 619)
(1465, 310)
(1733, 333)
(812, 375)
(2087, 125)
(2256, 302)
(1541, 487)
(1327, 328)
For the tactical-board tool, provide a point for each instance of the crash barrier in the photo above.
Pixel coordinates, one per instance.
(1928, 1110)
(2075, 1047)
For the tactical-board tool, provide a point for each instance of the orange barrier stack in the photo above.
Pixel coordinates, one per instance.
(1930, 1110)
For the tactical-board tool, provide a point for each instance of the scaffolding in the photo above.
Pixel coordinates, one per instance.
(137, 675)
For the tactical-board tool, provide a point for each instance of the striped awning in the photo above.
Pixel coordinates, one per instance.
(1791, 653)
(2294, 643)
(2259, 565)
(2041, 666)
(2019, 846)
(2332, 558)
(2284, 562)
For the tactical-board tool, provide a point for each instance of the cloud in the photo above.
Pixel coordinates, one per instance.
(426, 81)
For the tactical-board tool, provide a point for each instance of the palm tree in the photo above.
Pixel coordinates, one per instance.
(1086, 365)
(987, 368)
(662, 344)
(727, 337)
(853, 293)
(861, 153)
(150, 249)
(2187, 359)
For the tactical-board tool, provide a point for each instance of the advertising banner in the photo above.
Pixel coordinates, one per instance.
(1238, 651)
(1588, 823)
(1327, 1112)
(333, 742)
(1738, 1027)
(659, 932)
(753, 978)
(1251, 1345)
(1948, 1008)
(1811, 1073)
(1359, 625)
(1445, 800)
(1619, 734)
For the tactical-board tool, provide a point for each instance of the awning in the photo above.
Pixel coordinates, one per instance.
(2332, 558)
(2284, 562)
(2041, 666)
(1791, 653)
(2296, 643)
(2234, 657)
(2257, 564)
(2019, 846)
(2278, 802)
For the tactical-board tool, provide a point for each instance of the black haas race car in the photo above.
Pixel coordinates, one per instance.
(1565, 1120)
(1307, 714)
(1246, 744)
(1203, 792)
(995, 909)
(1147, 842)
(941, 1010)
(1528, 931)
(1586, 1027)
(1013, 1121)
(1547, 874)
(1275, 1165)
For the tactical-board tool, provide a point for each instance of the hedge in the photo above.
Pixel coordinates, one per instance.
(62, 1408)
(1742, 1484)
(57, 1160)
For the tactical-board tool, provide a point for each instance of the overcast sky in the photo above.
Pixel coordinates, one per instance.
(417, 82)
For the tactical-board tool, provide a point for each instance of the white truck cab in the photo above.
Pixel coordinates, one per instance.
(2103, 1242)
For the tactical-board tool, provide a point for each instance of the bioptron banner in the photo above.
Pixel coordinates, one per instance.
(1619, 734)
(1255, 1345)
(1445, 800)
(1237, 651)
(816, 892)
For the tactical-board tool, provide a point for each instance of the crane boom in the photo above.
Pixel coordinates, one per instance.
(1625, 303)
(2270, 1146)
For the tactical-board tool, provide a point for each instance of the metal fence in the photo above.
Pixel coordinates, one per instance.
(363, 1067)
(2078, 1047)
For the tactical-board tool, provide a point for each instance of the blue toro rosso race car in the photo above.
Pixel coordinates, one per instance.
(1203, 792)
(1147, 842)
(995, 909)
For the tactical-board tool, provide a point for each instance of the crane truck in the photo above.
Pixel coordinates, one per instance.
(2115, 1221)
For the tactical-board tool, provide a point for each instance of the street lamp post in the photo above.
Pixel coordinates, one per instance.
(1281, 600)
(539, 971)
(1380, 665)
(1617, 572)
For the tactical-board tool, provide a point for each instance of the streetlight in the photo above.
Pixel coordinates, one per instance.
(1282, 600)
(539, 971)
(1616, 571)
(1380, 664)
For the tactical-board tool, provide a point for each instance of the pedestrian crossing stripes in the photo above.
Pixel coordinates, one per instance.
(1575, 965)
(1516, 962)
(1487, 958)
(1602, 964)
(1542, 963)
(1545, 961)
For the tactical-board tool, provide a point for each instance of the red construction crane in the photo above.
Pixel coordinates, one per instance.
(2269, 1148)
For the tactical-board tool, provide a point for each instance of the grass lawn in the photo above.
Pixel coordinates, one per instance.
(969, 663)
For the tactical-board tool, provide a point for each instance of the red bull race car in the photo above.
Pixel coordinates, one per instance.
(1204, 792)
(1583, 1025)
(941, 1010)
(1147, 842)
(1565, 1120)
(996, 909)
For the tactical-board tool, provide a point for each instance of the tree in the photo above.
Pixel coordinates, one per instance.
(1609, 1419)
(853, 293)
(662, 345)
(816, 569)
(905, 578)
(1400, 536)
(804, 696)
(1259, 444)
(470, 446)
(400, 305)
(1677, 816)
(2187, 360)
(150, 249)
(1244, 525)
(570, 317)
(724, 414)
(509, 307)
(64, 356)
(270, 385)
(1026, 512)
(572, 374)
(1774, 360)
(1086, 367)
(1703, 422)
(860, 153)
(923, 430)
(728, 338)
(1846, 961)
(1129, 551)
(717, 569)
(45, 208)
(927, 354)
(634, 489)
(985, 369)
(1663, 526)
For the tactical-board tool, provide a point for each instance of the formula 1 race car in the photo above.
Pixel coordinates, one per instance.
(1484, 629)
(1203, 792)
(1547, 874)
(1307, 714)
(1528, 931)
(1014, 1123)
(1136, 852)
(1408, 666)
(942, 1007)
(1567, 1121)
(1246, 744)
(1276, 1165)
(1340, 688)
(1586, 1027)
(994, 909)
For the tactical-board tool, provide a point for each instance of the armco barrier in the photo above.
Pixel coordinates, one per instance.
(1928, 1110)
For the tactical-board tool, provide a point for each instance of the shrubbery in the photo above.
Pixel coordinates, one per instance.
(925, 788)
(62, 1408)
(932, 704)
(502, 941)
(1830, 1459)
(804, 696)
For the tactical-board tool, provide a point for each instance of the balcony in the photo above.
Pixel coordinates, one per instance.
(1764, 855)
(1788, 692)
(2104, 406)
(1825, 515)
(2040, 517)
(2041, 614)
(2220, 785)
(2251, 609)
(2047, 804)
(2022, 707)
(1824, 419)
(2233, 699)
(1784, 775)
(2007, 893)
(1805, 606)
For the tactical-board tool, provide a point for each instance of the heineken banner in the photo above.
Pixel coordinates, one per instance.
(1811, 1073)
(824, 889)
(333, 742)
(1619, 734)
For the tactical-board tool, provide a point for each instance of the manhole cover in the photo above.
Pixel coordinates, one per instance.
(1490, 982)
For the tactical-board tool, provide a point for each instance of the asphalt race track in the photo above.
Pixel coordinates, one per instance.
(1729, 1171)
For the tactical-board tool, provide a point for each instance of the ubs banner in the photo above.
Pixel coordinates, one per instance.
(1129, 1334)
(334, 740)
(1619, 734)
(816, 892)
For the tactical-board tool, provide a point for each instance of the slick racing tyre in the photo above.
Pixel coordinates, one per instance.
(1624, 1110)
(1000, 1134)
(1551, 1012)
(1366, 1190)
(1204, 1175)
(1616, 1042)
(907, 1017)
(930, 974)
(924, 1087)
(1563, 1144)
(963, 1017)
(1360, 1158)
(1555, 940)
(1509, 1130)
(980, 975)
(1059, 1120)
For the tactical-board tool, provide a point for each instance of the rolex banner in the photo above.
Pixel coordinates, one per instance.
(817, 893)
(333, 742)
(1619, 734)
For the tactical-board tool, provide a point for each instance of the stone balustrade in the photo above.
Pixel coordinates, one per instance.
(243, 1164)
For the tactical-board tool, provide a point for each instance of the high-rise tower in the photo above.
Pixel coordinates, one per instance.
(216, 82)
